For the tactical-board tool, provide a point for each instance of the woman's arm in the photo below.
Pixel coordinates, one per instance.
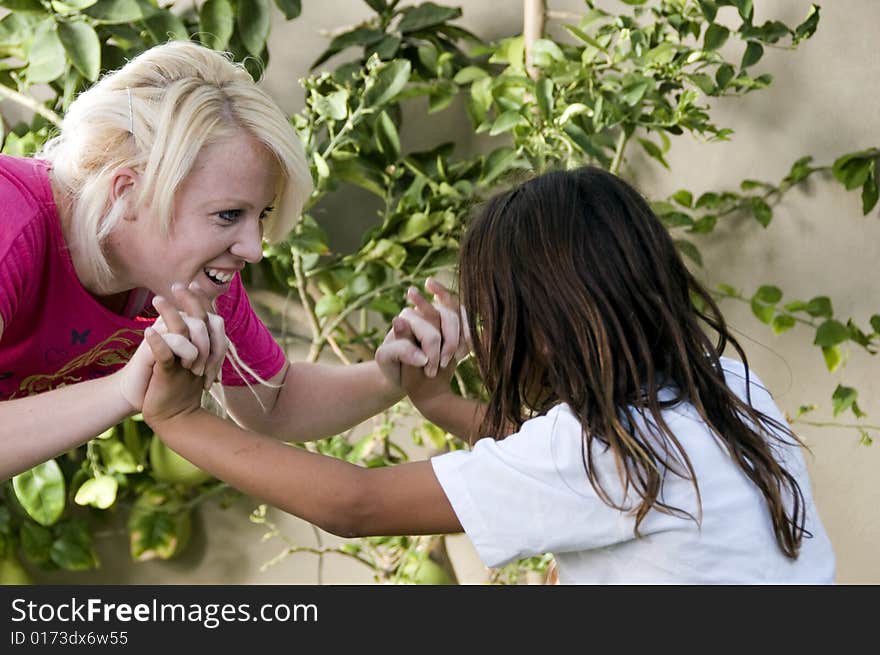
(308, 401)
(37, 428)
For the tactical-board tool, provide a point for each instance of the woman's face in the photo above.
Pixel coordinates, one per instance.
(217, 225)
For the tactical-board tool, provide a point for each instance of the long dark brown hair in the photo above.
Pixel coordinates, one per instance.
(576, 293)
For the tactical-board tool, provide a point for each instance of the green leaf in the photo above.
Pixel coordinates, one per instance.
(830, 333)
(661, 55)
(833, 357)
(31, 6)
(117, 458)
(498, 162)
(418, 224)
(653, 151)
(768, 294)
(800, 170)
(875, 323)
(388, 251)
(385, 48)
(329, 305)
(709, 9)
(386, 82)
(716, 36)
(157, 526)
(782, 323)
(363, 36)
(745, 9)
(573, 109)
(752, 55)
(165, 26)
(684, 198)
(763, 303)
(820, 306)
(98, 492)
(852, 170)
(46, 59)
(761, 211)
(704, 224)
(253, 21)
(360, 173)
(321, 166)
(689, 250)
(705, 83)
(469, 74)
(634, 92)
(425, 15)
(506, 122)
(290, 8)
(41, 492)
(723, 75)
(545, 52)
(216, 23)
(333, 105)
(844, 398)
(81, 43)
(115, 11)
(73, 548)
(544, 96)
(386, 136)
(36, 542)
(869, 192)
(806, 29)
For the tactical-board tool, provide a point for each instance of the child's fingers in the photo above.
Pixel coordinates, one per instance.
(162, 352)
(425, 308)
(450, 330)
(441, 293)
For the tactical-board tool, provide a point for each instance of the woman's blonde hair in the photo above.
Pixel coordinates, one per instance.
(154, 115)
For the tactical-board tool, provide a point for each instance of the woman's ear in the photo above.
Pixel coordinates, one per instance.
(124, 185)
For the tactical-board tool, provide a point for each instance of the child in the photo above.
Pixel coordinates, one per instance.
(639, 454)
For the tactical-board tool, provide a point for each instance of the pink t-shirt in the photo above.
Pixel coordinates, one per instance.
(54, 332)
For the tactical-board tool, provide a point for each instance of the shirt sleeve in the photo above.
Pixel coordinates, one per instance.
(18, 252)
(253, 342)
(529, 493)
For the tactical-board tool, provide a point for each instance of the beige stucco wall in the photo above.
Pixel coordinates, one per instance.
(825, 101)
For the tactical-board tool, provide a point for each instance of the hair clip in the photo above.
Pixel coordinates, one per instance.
(130, 112)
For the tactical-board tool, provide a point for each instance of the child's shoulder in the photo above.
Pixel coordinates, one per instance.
(736, 374)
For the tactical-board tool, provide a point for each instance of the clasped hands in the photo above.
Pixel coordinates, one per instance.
(418, 354)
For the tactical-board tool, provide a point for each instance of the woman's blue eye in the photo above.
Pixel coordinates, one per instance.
(229, 214)
(266, 212)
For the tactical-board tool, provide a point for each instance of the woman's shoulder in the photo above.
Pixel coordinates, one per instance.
(24, 186)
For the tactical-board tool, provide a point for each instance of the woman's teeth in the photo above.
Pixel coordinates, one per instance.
(217, 276)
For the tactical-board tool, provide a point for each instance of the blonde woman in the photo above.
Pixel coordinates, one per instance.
(164, 180)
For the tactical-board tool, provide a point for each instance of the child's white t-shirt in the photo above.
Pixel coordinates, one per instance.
(529, 494)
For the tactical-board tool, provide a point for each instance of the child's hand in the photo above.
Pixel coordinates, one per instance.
(173, 390)
(135, 375)
(429, 335)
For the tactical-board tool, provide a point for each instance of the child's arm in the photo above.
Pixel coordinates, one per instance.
(339, 497)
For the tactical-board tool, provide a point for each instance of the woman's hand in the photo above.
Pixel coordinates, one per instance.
(197, 338)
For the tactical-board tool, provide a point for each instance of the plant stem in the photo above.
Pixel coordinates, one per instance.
(534, 15)
(31, 104)
(309, 306)
(622, 139)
